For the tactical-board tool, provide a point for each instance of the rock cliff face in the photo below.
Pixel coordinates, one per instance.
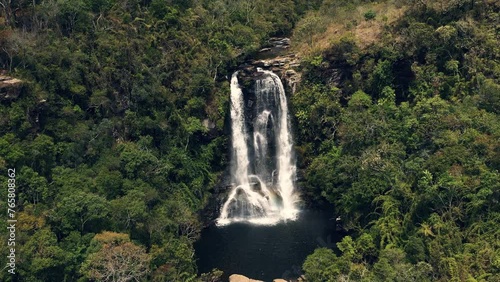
(10, 87)
(276, 58)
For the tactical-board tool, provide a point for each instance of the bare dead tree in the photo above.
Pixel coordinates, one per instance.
(118, 263)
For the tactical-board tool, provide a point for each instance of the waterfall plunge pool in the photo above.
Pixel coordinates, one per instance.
(265, 252)
(262, 145)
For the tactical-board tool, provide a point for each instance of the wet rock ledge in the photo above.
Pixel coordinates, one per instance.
(277, 58)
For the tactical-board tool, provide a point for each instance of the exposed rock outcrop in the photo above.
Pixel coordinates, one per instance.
(10, 87)
(277, 58)
(241, 278)
(283, 66)
(279, 42)
(211, 129)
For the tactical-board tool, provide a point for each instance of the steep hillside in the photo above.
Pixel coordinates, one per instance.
(117, 132)
(398, 123)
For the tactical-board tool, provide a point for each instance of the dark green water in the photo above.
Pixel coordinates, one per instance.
(265, 252)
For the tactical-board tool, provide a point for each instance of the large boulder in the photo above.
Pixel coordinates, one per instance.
(241, 278)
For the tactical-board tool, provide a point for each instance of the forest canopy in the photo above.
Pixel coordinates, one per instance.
(396, 124)
(108, 130)
(398, 127)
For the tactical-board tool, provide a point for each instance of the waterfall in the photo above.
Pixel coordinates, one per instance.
(261, 151)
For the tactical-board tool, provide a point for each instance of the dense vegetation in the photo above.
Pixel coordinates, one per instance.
(402, 136)
(112, 136)
(118, 137)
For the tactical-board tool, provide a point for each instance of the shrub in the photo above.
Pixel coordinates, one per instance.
(370, 15)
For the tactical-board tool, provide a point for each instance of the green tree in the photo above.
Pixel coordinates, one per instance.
(129, 209)
(41, 258)
(76, 210)
(320, 266)
(33, 188)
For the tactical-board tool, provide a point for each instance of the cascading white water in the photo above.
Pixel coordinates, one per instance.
(286, 169)
(256, 196)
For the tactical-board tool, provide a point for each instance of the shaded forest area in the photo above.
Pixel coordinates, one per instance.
(117, 134)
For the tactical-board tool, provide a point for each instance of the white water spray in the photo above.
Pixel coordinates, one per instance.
(256, 196)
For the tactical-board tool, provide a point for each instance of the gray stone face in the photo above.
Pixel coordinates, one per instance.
(208, 124)
(278, 59)
(278, 41)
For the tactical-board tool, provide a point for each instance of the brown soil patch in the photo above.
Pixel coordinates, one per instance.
(352, 23)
